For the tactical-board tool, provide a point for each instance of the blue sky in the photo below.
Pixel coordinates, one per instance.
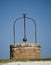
(39, 10)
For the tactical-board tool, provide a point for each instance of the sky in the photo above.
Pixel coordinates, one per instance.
(39, 10)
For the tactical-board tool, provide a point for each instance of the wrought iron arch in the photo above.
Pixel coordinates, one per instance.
(25, 39)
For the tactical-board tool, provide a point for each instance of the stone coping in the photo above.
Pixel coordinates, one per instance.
(25, 45)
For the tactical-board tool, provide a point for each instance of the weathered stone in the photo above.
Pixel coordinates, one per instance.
(25, 51)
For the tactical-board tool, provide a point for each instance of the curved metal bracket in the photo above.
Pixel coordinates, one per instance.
(25, 39)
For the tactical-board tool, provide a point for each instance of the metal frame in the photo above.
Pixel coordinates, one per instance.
(24, 16)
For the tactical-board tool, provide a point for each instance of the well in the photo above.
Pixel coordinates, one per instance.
(28, 51)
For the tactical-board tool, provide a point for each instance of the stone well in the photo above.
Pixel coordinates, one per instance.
(28, 51)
